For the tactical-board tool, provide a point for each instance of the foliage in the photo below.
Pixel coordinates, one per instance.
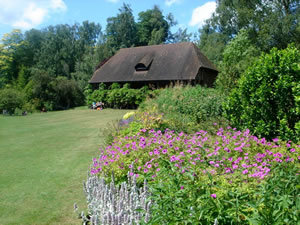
(88, 64)
(239, 53)
(121, 30)
(269, 24)
(67, 94)
(54, 93)
(118, 97)
(201, 178)
(279, 197)
(212, 44)
(11, 99)
(11, 51)
(152, 27)
(266, 99)
(181, 35)
(185, 107)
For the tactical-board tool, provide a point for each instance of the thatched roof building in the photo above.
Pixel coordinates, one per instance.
(158, 65)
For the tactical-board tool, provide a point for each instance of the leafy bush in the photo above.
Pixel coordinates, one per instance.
(201, 178)
(67, 94)
(184, 108)
(53, 93)
(237, 56)
(266, 99)
(118, 97)
(11, 99)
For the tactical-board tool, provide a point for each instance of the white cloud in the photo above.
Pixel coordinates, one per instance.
(58, 5)
(171, 2)
(113, 1)
(202, 13)
(28, 14)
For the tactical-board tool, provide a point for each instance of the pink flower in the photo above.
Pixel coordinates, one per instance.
(158, 169)
(245, 171)
(213, 195)
(182, 187)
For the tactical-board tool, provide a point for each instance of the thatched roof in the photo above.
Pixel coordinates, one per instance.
(180, 61)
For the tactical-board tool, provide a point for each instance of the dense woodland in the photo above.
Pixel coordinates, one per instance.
(50, 68)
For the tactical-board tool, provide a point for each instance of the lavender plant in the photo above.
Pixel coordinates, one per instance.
(110, 204)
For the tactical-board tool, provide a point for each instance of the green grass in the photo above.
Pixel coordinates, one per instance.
(44, 158)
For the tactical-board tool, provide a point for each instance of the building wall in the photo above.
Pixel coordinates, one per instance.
(206, 77)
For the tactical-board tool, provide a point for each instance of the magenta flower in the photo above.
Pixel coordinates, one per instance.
(245, 171)
(182, 187)
(213, 195)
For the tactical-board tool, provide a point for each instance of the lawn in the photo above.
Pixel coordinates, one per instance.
(44, 158)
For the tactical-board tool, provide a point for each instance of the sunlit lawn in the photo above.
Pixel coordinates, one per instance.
(44, 158)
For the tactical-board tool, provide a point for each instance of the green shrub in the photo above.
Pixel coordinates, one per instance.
(188, 108)
(67, 94)
(53, 93)
(266, 99)
(116, 96)
(11, 99)
(237, 56)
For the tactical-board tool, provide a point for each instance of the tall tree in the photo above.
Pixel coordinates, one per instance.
(153, 28)
(57, 52)
(181, 36)
(34, 39)
(270, 23)
(121, 31)
(12, 53)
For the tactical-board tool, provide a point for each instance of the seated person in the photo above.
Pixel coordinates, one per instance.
(94, 105)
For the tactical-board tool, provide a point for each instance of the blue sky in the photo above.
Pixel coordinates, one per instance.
(26, 14)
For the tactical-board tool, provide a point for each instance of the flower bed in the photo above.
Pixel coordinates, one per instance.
(202, 178)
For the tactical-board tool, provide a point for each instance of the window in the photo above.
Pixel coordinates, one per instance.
(145, 63)
(140, 67)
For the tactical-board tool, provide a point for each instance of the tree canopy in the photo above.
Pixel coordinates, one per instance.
(270, 23)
